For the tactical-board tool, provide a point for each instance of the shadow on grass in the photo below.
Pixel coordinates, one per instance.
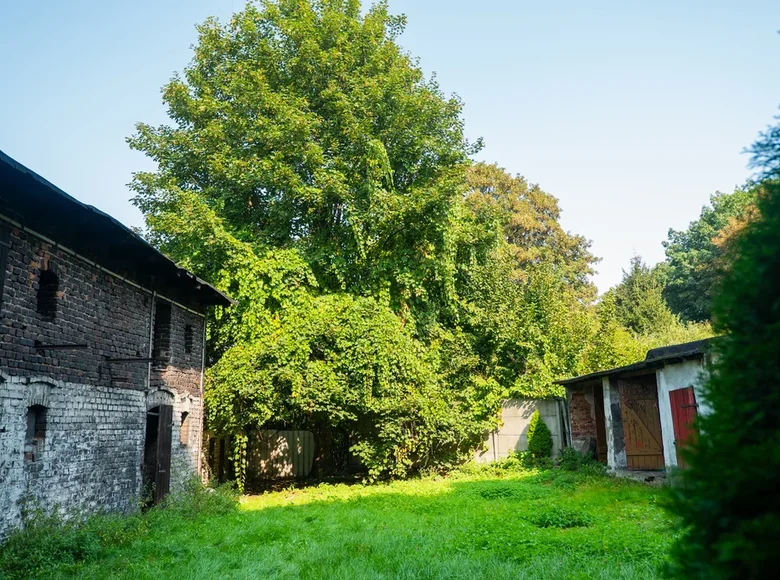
(475, 528)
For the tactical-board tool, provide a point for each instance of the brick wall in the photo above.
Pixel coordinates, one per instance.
(582, 418)
(95, 410)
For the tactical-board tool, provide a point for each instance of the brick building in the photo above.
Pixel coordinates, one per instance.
(101, 356)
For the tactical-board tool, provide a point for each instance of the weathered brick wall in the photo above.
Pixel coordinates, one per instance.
(582, 418)
(96, 410)
(91, 454)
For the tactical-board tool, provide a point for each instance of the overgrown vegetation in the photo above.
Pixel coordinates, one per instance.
(729, 500)
(52, 540)
(483, 523)
(311, 167)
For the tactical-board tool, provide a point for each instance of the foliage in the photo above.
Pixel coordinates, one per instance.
(696, 256)
(348, 364)
(311, 169)
(475, 526)
(556, 516)
(528, 219)
(49, 540)
(303, 125)
(569, 459)
(193, 499)
(729, 500)
(540, 443)
(638, 301)
(632, 318)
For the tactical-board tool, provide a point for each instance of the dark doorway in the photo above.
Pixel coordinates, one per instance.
(157, 454)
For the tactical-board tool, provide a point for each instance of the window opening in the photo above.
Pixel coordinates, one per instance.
(188, 339)
(36, 432)
(48, 287)
(162, 331)
(184, 432)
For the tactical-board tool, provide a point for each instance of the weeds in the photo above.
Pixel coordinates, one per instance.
(52, 539)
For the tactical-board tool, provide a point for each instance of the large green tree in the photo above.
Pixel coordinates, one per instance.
(528, 217)
(638, 299)
(695, 256)
(303, 125)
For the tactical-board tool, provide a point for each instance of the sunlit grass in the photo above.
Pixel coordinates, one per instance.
(482, 525)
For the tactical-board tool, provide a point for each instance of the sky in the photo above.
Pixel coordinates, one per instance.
(630, 112)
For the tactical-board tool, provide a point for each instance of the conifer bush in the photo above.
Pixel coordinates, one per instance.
(729, 498)
(540, 443)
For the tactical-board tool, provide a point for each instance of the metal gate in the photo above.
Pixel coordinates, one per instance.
(641, 423)
(683, 402)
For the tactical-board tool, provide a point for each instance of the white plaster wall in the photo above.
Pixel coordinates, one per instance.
(512, 435)
(672, 377)
(616, 459)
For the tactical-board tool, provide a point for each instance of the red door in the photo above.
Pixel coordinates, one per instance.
(683, 417)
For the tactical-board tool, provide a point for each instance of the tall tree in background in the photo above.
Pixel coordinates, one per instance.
(529, 218)
(730, 500)
(695, 256)
(303, 125)
(638, 301)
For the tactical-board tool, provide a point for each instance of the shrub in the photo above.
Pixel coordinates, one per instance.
(729, 499)
(195, 499)
(561, 517)
(49, 539)
(540, 443)
(569, 459)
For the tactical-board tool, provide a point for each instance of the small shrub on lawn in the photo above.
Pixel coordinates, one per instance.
(569, 459)
(195, 499)
(522, 461)
(561, 517)
(540, 443)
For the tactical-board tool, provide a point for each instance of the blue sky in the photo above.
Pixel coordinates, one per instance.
(630, 112)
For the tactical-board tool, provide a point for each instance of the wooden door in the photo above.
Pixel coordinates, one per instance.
(641, 423)
(683, 402)
(162, 476)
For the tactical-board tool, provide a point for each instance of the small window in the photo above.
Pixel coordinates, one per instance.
(188, 339)
(184, 432)
(162, 331)
(48, 287)
(36, 433)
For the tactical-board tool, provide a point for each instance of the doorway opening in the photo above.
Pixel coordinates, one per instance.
(157, 454)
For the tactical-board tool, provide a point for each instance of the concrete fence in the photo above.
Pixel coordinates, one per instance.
(513, 433)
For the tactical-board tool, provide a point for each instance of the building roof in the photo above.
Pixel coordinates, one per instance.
(654, 359)
(37, 205)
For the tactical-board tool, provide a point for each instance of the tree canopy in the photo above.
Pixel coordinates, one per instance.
(696, 256)
(304, 125)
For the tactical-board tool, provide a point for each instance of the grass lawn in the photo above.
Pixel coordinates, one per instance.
(487, 524)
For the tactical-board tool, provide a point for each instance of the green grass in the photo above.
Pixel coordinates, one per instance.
(486, 524)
